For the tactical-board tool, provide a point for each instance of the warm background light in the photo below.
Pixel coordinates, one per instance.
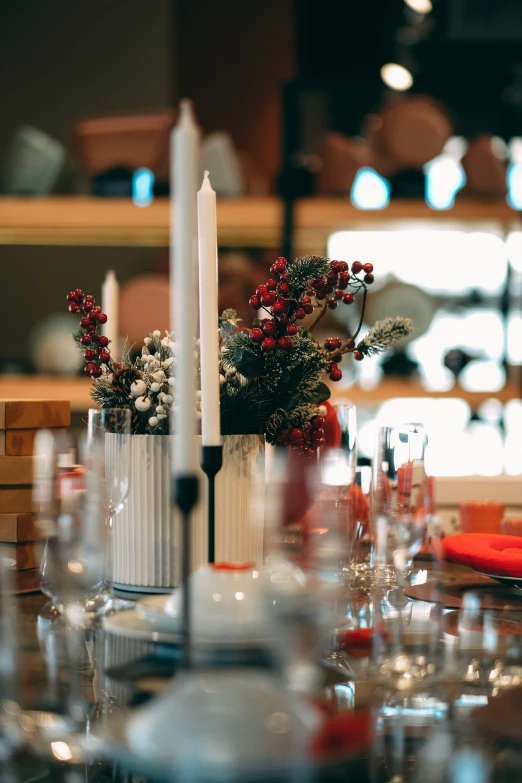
(421, 6)
(396, 76)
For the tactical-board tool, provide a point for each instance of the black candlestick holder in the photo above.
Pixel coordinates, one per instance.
(186, 496)
(211, 463)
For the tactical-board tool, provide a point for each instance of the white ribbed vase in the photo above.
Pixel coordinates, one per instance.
(146, 535)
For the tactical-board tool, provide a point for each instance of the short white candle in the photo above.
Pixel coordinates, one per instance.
(183, 264)
(110, 306)
(208, 314)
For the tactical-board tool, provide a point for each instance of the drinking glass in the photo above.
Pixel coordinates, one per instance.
(401, 498)
(486, 642)
(110, 428)
(306, 544)
(407, 660)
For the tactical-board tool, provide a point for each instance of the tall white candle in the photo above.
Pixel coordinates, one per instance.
(110, 306)
(183, 260)
(208, 314)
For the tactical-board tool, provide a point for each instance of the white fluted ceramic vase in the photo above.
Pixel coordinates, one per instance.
(146, 535)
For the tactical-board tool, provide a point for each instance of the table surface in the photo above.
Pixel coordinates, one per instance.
(35, 629)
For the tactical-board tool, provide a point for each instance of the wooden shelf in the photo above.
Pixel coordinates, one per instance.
(248, 222)
(77, 391)
(397, 388)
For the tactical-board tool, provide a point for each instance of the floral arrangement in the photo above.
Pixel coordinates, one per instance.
(271, 375)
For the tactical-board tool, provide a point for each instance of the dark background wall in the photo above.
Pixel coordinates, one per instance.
(63, 59)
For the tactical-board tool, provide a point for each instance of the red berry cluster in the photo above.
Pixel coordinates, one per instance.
(340, 276)
(96, 351)
(275, 297)
(306, 439)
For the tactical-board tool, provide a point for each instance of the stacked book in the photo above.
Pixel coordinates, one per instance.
(20, 539)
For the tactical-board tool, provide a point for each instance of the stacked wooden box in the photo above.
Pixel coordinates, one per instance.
(20, 538)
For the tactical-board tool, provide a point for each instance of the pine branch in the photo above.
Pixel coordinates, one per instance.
(383, 334)
(302, 270)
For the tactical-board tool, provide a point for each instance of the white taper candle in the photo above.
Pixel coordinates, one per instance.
(208, 314)
(111, 306)
(183, 263)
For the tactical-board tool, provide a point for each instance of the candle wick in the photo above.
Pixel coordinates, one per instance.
(205, 174)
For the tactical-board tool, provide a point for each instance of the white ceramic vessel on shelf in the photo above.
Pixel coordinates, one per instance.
(146, 534)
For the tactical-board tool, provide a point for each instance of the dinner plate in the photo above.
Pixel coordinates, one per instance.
(510, 581)
(131, 625)
(152, 609)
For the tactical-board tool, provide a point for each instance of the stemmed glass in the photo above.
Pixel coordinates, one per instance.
(110, 428)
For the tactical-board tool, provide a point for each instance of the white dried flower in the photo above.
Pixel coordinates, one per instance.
(166, 399)
(322, 410)
(147, 341)
(167, 363)
(221, 379)
(160, 409)
(171, 381)
(138, 388)
(155, 387)
(172, 346)
(162, 415)
(160, 396)
(144, 351)
(159, 376)
(142, 404)
(165, 342)
(156, 333)
(153, 421)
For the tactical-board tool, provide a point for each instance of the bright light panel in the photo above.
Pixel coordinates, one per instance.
(396, 76)
(440, 261)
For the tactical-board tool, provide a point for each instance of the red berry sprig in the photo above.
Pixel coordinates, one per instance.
(96, 352)
(306, 439)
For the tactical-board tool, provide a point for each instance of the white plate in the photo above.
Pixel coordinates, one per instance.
(152, 609)
(132, 625)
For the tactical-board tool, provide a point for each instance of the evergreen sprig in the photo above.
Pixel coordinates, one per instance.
(304, 269)
(384, 334)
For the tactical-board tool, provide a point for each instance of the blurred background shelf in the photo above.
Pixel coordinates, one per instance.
(77, 391)
(248, 222)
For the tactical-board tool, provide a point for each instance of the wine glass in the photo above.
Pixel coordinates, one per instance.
(111, 428)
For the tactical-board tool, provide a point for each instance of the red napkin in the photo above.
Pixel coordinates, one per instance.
(343, 735)
(489, 553)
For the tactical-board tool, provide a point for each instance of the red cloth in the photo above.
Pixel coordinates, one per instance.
(490, 553)
(343, 735)
(331, 427)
